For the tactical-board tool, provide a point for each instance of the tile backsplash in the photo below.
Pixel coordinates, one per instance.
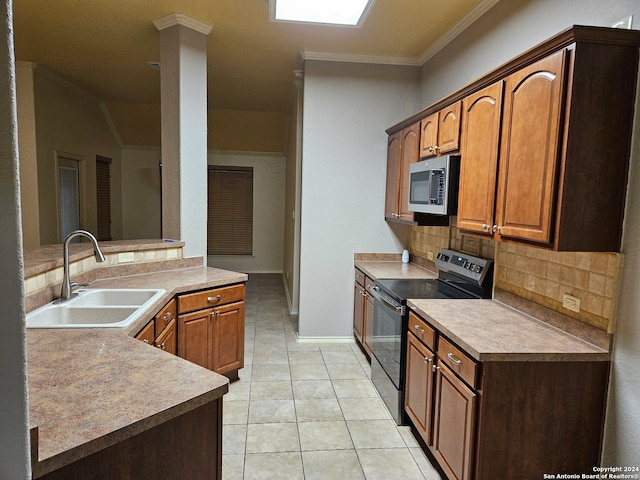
(544, 276)
(537, 274)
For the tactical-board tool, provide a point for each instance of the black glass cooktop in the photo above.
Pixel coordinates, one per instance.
(401, 290)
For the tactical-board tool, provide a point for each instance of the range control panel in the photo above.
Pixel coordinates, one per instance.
(463, 264)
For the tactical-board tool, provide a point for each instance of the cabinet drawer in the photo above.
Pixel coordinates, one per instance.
(368, 282)
(360, 277)
(164, 317)
(210, 298)
(421, 330)
(458, 361)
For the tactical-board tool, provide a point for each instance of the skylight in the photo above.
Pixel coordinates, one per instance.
(333, 12)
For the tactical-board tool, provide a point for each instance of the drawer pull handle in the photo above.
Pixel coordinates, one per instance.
(453, 359)
(215, 299)
(418, 329)
(167, 316)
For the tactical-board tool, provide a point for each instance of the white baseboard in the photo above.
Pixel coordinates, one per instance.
(324, 339)
(292, 311)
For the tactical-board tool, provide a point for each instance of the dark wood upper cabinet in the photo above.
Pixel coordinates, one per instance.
(481, 115)
(545, 142)
(530, 144)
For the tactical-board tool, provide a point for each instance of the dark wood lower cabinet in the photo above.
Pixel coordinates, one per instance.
(213, 337)
(419, 390)
(503, 419)
(188, 446)
(454, 424)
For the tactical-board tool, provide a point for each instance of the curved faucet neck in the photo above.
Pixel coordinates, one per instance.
(66, 291)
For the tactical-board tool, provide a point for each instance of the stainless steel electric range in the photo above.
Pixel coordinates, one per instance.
(460, 276)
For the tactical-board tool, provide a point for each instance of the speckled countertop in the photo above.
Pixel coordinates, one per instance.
(174, 282)
(91, 388)
(491, 331)
(393, 269)
(50, 256)
(488, 330)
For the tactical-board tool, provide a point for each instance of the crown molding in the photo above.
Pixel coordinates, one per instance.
(477, 11)
(176, 18)
(354, 58)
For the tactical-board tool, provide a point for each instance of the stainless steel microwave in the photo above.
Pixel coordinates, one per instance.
(433, 185)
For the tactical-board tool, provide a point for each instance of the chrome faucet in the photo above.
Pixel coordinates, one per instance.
(67, 287)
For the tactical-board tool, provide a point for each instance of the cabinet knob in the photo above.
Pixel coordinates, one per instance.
(145, 341)
(161, 346)
(496, 229)
(435, 367)
(485, 227)
(215, 299)
(427, 360)
(167, 316)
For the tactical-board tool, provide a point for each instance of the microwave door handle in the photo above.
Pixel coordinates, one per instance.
(399, 309)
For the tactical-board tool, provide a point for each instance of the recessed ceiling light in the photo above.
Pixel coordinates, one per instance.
(333, 12)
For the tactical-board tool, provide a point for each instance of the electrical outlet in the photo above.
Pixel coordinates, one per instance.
(430, 255)
(125, 257)
(571, 303)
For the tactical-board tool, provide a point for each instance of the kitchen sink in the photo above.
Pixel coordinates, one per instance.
(95, 308)
(103, 297)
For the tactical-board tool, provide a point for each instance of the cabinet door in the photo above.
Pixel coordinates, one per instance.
(358, 311)
(530, 147)
(479, 159)
(454, 424)
(146, 335)
(449, 128)
(429, 136)
(168, 340)
(193, 340)
(394, 158)
(419, 386)
(410, 154)
(227, 338)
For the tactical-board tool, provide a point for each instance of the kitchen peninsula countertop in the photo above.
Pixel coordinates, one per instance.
(92, 388)
(492, 331)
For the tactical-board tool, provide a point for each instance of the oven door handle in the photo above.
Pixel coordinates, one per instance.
(396, 307)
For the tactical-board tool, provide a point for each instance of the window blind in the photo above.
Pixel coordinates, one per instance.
(103, 197)
(230, 210)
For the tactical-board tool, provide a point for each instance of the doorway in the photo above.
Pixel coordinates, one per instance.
(68, 171)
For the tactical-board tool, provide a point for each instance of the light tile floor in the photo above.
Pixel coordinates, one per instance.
(308, 410)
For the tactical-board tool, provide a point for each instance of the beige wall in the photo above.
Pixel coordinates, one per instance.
(268, 213)
(504, 32)
(28, 155)
(71, 121)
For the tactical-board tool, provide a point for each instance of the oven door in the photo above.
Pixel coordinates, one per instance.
(387, 333)
(387, 372)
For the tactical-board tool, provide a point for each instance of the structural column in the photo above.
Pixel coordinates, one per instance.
(183, 78)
